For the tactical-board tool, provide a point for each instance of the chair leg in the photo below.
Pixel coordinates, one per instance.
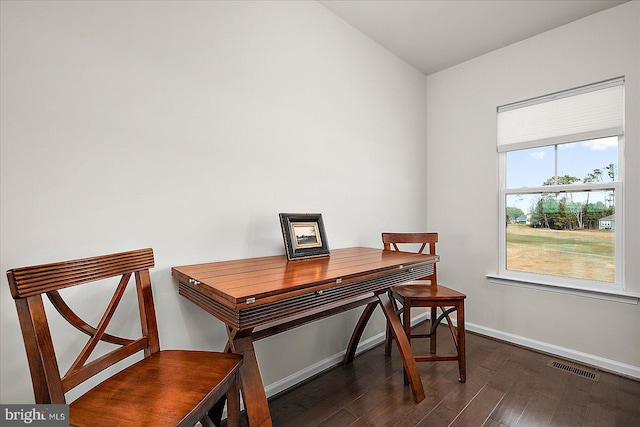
(406, 316)
(389, 335)
(434, 327)
(462, 357)
(388, 340)
(233, 404)
(232, 399)
(388, 344)
(206, 422)
(215, 413)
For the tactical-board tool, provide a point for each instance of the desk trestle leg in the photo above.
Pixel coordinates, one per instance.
(410, 366)
(253, 395)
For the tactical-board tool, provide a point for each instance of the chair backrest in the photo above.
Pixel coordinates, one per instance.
(29, 283)
(427, 241)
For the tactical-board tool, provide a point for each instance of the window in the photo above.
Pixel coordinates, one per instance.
(561, 188)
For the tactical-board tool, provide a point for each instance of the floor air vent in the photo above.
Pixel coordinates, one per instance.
(574, 370)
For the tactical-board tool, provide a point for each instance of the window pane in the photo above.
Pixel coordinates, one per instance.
(529, 168)
(569, 234)
(590, 161)
(586, 161)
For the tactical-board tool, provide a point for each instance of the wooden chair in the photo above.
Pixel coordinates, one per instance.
(427, 293)
(164, 388)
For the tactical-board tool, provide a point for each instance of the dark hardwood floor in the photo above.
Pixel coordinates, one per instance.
(506, 386)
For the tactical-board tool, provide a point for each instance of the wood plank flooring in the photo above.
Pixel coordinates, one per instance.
(506, 386)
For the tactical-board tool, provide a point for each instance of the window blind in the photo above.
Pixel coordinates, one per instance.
(589, 112)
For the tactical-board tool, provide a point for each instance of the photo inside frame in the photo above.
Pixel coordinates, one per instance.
(305, 235)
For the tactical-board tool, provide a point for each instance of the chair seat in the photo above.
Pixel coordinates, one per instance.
(417, 292)
(160, 390)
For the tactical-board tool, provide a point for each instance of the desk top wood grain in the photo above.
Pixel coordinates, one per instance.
(270, 278)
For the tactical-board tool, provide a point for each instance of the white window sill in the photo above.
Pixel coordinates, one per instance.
(604, 294)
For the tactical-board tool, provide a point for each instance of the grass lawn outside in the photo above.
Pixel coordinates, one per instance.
(580, 254)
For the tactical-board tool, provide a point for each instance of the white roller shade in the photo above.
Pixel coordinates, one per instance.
(590, 112)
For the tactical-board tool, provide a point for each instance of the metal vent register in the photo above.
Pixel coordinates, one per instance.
(574, 370)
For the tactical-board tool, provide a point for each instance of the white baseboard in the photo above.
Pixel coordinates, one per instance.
(566, 353)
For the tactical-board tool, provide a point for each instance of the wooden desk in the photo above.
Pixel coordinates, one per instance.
(260, 297)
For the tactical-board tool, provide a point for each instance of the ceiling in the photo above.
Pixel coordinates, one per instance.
(433, 35)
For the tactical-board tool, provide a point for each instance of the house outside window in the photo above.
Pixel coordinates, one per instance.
(561, 184)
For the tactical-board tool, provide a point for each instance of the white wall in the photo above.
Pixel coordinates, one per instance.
(462, 192)
(187, 127)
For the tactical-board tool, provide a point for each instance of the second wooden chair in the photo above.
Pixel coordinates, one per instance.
(426, 292)
(164, 388)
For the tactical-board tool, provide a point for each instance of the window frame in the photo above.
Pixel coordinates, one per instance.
(564, 284)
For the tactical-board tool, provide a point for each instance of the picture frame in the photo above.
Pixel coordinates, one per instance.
(304, 235)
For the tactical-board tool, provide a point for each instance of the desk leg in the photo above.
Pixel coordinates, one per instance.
(410, 366)
(357, 332)
(253, 395)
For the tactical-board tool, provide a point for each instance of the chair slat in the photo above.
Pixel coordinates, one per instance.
(71, 317)
(71, 380)
(29, 281)
(410, 237)
(102, 325)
